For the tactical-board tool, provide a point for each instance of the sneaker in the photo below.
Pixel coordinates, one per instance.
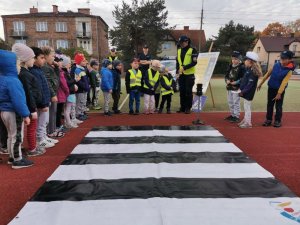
(234, 120)
(36, 152)
(240, 123)
(97, 107)
(267, 123)
(10, 161)
(137, 113)
(131, 113)
(4, 151)
(71, 126)
(78, 121)
(62, 128)
(169, 112)
(188, 111)
(46, 144)
(23, 163)
(159, 111)
(228, 118)
(108, 113)
(277, 124)
(117, 111)
(82, 118)
(180, 111)
(156, 110)
(51, 140)
(245, 125)
(56, 134)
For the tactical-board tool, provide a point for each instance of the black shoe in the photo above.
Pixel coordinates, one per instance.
(188, 111)
(117, 111)
(169, 112)
(108, 113)
(23, 163)
(159, 111)
(234, 120)
(267, 123)
(137, 113)
(180, 111)
(131, 113)
(277, 124)
(228, 118)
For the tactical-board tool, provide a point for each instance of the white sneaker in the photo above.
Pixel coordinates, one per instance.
(46, 144)
(78, 121)
(71, 126)
(51, 140)
(75, 125)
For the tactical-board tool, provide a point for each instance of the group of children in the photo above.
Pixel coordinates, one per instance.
(241, 81)
(43, 90)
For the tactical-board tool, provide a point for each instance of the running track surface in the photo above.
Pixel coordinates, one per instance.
(277, 150)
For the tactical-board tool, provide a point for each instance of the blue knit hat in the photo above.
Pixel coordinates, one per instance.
(106, 63)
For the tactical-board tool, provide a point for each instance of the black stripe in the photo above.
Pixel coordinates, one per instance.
(165, 187)
(158, 157)
(138, 128)
(153, 139)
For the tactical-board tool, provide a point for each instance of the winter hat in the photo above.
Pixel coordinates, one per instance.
(106, 63)
(79, 58)
(252, 56)
(23, 52)
(286, 55)
(58, 58)
(236, 54)
(116, 63)
(65, 60)
(94, 63)
(8, 63)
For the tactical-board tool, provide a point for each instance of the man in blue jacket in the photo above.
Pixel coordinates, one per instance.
(106, 84)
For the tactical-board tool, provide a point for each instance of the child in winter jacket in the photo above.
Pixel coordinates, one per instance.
(82, 82)
(248, 86)
(133, 82)
(43, 108)
(167, 90)
(62, 92)
(106, 84)
(33, 94)
(95, 83)
(117, 70)
(279, 76)
(13, 108)
(233, 78)
(151, 82)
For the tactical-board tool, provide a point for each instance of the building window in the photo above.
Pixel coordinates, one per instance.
(21, 41)
(61, 27)
(62, 44)
(41, 26)
(83, 29)
(19, 27)
(42, 43)
(166, 46)
(258, 49)
(86, 45)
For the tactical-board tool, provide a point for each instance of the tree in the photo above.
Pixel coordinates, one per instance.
(4, 45)
(294, 26)
(138, 24)
(72, 51)
(275, 29)
(234, 37)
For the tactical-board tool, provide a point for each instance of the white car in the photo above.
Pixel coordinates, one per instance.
(296, 72)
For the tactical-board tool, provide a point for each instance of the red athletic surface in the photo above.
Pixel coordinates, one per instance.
(277, 150)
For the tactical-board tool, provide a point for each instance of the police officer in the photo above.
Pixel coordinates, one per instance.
(113, 55)
(185, 67)
(145, 60)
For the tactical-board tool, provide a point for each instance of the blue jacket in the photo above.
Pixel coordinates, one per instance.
(107, 82)
(278, 74)
(12, 95)
(43, 84)
(248, 84)
(83, 84)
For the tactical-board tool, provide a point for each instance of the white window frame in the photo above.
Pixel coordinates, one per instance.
(19, 27)
(86, 45)
(42, 43)
(61, 27)
(22, 41)
(62, 44)
(41, 26)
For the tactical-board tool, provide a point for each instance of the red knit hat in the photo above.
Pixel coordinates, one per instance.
(79, 58)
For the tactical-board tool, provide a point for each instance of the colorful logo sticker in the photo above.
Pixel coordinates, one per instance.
(288, 210)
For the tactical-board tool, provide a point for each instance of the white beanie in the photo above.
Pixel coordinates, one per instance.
(23, 52)
(65, 60)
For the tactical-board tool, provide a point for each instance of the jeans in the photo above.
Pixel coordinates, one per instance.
(134, 95)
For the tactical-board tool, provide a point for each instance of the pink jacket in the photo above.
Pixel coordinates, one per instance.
(63, 90)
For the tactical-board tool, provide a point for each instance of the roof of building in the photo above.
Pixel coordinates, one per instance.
(277, 44)
(194, 35)
(51, 14)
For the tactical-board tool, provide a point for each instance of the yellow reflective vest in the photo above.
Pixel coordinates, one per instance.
(135, 79)
(152, 79)
(169, 84)
(110, 58)
(188, 59)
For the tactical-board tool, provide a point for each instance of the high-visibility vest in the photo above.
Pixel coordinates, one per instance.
(152, 79)
(135, 79)
(188, 59)
(169, 84)
(110, 58)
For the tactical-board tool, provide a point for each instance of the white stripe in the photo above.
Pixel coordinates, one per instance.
(151, 133)
(156, 211)
(151, 147)
(144, 170)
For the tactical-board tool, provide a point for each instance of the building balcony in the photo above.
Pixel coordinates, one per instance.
(18, 34)
(83, 35)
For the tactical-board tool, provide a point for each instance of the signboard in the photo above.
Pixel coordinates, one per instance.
(198, 103)
(204, 69)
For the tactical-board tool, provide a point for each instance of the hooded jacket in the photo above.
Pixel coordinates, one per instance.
(107, 79)
(12, 97)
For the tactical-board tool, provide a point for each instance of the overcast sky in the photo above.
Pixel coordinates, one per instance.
(258, 13)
